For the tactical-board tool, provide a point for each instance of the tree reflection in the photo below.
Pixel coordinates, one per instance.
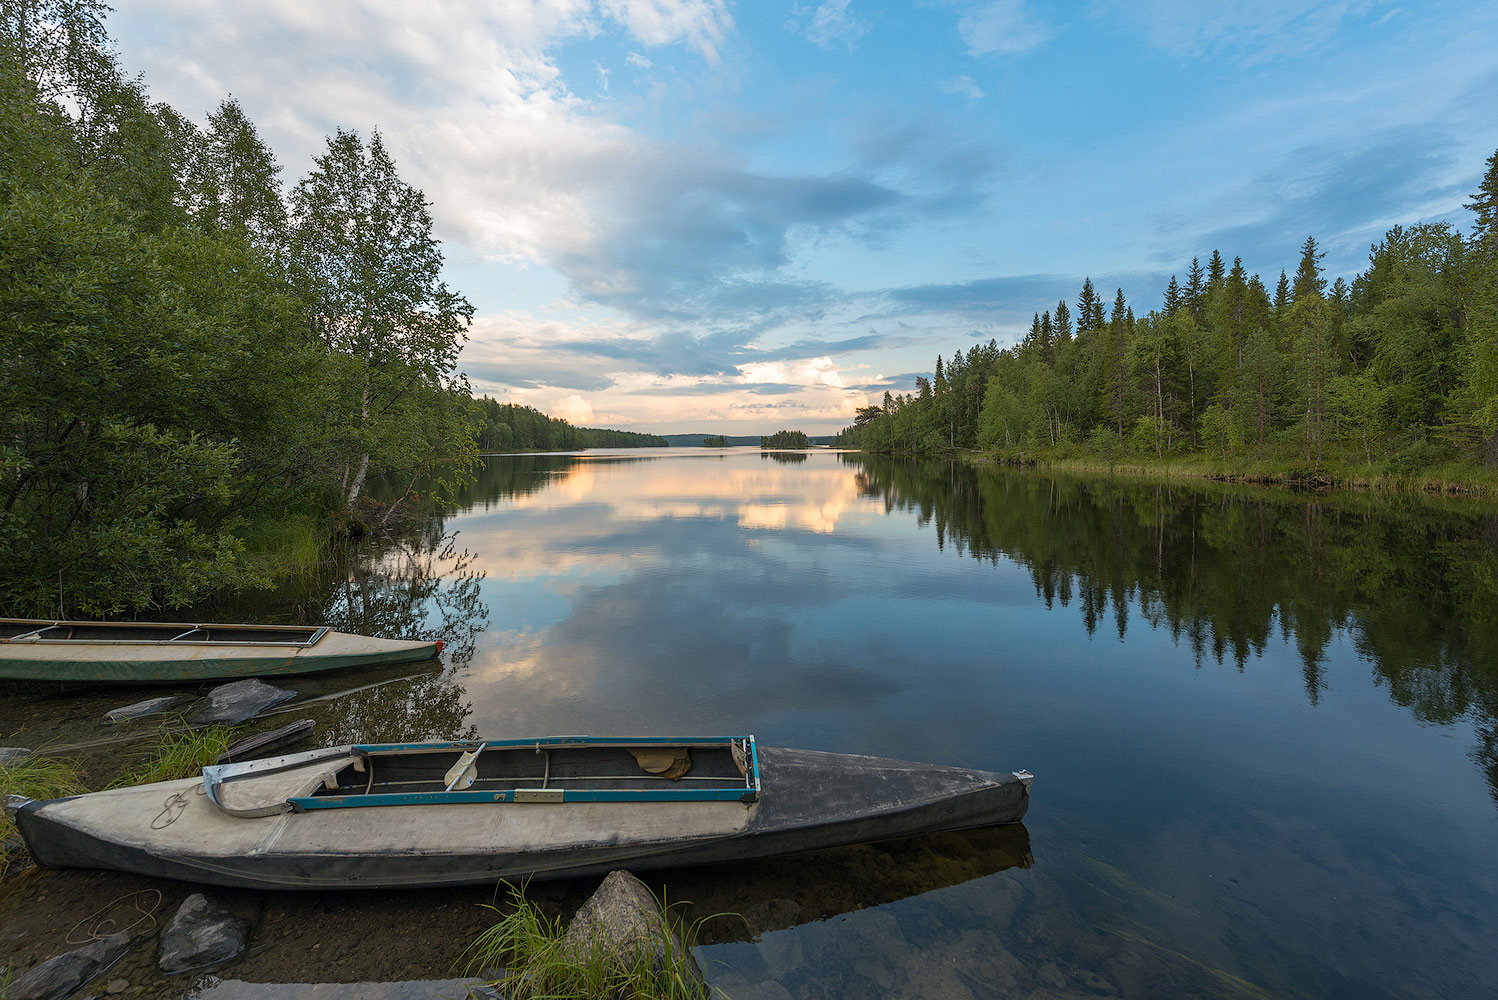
(1412, 584)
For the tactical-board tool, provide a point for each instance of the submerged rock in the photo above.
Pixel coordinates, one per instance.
(139, 710)
(204, 931)
(59, 977)
(624, 922)
(13, 755)
(240, 700)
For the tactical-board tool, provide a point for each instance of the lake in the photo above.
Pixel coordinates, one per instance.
(1263, 726)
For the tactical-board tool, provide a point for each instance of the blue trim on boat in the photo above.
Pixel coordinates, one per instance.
(747, 792)
(550, 741)
(306, 802)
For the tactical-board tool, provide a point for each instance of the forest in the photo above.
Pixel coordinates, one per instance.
(1394, 375)
(512, 427)
(193, 356)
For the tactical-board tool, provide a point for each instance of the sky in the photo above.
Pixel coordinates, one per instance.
(696, 215)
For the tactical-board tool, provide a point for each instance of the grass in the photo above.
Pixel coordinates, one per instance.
(537, 965)
(36, 777)
(176, 755)
(287, 546)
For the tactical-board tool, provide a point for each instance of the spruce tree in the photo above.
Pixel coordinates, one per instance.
(1216, 273)
(1485, 202)
(1062, 322)
(1089, 308)
(1195, 294)
(1308, 280)
(1172, 296)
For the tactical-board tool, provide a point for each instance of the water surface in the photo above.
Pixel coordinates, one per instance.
(1262, 725)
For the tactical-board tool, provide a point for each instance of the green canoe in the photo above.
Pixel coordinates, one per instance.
(136, 652)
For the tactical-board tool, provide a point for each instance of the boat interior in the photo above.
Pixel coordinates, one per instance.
(540, 768)
(20, 630)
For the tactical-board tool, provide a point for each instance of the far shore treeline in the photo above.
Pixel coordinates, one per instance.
(1394, 376)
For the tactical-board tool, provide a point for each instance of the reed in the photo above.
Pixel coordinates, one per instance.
(179, 754)
(526, 947)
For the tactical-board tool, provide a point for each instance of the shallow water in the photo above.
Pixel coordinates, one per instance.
(1262, 725)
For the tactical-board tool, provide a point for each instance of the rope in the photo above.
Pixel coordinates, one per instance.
(100, 924)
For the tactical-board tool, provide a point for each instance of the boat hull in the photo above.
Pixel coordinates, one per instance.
(810, 801)
(136, 662)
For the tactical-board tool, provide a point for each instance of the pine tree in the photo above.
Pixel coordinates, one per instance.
(1195, 293)
(1089, 308)
(1485, 202)
(1062, 322)
(1308, 280)
(1216, 273)
(1172, 296)
(1281, 295)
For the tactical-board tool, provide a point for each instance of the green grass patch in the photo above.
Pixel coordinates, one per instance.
(36, 777)
(289, 545)
(178, 755)
(528, 947)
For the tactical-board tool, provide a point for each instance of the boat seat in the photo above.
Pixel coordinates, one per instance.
(664, 763)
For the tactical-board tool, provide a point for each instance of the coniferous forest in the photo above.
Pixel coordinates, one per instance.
(1394, 375)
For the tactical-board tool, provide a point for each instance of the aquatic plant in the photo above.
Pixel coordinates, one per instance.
(534, 962)
(179, 754)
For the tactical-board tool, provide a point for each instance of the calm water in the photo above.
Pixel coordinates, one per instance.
(1264, 728)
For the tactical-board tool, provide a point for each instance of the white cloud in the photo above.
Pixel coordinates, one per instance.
(1003, 27)
(1252, 30)
(574, 409)
(963, 86)
(703, 24)
(833, 27)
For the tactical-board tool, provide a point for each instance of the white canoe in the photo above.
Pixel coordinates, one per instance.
(435, 814)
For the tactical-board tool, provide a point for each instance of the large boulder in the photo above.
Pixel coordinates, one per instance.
(204, 931)
(624, 924)
(233, 703)
(61, 976)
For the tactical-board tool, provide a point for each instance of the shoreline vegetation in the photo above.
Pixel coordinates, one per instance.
(1451, 480)
(1387, 383)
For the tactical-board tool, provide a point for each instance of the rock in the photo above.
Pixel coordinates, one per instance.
(204, 931)
(58, 977)
(13, 755)
(772, 915)
(240, 700)
(117, 986)
(623, 921)
(139, 710)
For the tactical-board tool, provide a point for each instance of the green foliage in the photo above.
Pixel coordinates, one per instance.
(785, 439)
(600, 437)
(178, 755)
(165, 379)
(1396, 369)
(715, 442)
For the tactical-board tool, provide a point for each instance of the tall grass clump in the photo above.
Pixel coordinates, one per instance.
(178, 755)
(36, 777)
(285, 546)
(538, 964)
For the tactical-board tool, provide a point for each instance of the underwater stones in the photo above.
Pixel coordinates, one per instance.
(139, 710)
(204, 931)
(237, 701)
(61, 976)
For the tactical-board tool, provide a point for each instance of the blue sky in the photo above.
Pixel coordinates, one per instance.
(677, 215)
